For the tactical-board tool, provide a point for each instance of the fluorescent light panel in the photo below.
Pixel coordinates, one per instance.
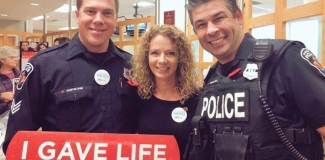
(39, 18)
(34, 4)
(65, 8)
(4, 15)
(143, 4)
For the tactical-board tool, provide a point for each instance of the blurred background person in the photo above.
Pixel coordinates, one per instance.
(56, 42)
(60, 40)
(8, 73)
(25, 46)
(34, 45)
(164, 70)
(41, 46)
(63, 40)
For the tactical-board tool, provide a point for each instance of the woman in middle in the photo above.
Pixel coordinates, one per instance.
(164, 70)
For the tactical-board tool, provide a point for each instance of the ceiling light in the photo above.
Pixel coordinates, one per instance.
(34, 4)
(143, 4)
(67, 28)
(39, 18)
(65, 8)
(4, 15)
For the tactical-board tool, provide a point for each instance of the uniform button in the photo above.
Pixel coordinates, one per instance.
(75, 96)
(103, 88)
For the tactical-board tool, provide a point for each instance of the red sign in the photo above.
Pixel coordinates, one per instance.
(28, 54)
(98, 146)
(169, 17)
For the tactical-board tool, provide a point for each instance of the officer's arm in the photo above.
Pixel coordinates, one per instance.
(321, 131)
(24, 112)
(305, 83)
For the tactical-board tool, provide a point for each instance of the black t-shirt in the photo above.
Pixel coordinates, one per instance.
(156, 118)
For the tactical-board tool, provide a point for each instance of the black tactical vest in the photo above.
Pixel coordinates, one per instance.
(239, 127)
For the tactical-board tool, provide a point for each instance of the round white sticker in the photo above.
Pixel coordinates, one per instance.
(102, 77)
(179, 115)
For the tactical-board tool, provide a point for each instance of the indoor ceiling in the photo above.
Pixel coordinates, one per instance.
(22, 10)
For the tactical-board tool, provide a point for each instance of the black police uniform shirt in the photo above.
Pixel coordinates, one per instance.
(167, 118)
(57, 91)
(295, 93)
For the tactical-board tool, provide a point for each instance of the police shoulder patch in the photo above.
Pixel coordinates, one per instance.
(307, 55)
(24, 75)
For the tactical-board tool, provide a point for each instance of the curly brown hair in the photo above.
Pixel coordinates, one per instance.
(187, 79)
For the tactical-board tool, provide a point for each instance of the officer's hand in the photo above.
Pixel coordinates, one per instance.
(7, 96)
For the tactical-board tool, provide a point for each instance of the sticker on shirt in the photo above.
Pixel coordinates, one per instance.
(102, 77)
(307, 55)
(24, 75)
(250, 71)
(15, 107)
(179, 115)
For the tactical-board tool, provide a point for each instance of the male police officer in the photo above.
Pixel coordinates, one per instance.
(240, 127)
(78, 86)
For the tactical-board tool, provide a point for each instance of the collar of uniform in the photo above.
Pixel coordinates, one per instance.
(243, 53)
(75, 47)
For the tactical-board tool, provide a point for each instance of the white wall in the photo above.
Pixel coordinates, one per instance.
(296, 30)
(308, 31)
(178, 6)
(264, 32)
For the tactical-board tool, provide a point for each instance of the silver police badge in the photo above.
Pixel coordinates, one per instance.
(250, 71)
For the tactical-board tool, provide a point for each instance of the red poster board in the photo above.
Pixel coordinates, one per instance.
(169, 17)
(69, 145)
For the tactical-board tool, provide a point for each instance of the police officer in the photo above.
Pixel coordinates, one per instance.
(78, 86)
(242, 123)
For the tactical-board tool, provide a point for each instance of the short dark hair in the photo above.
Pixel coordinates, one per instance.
(24, 42)
(63, 39)
(231, 5)
(38, 48)
(79, 3)
(56, 39)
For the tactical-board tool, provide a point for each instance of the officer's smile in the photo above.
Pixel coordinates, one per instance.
(217, 41)
(97, 30)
